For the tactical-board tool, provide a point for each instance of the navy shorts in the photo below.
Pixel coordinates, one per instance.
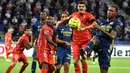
(63, 55)
(104, 52)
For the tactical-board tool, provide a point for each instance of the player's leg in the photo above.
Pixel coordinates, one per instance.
(34, 61)
(66, 67)
(44, 67)
(102, 70)
(67, 59)
(105, 56)
(60, 54)
(14, 61)
(11, 67)
(76, 57)
(58, 67)
(51, 68)
(25, 63)
(94, 57)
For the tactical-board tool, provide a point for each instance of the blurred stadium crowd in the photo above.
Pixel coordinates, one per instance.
(19, 13)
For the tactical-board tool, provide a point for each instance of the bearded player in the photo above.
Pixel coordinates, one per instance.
(79, 40)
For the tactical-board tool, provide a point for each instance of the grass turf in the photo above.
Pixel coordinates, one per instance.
(118, 65)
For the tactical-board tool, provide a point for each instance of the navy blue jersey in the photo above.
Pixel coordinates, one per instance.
(108, 26)
(64, 33)
(36, 28)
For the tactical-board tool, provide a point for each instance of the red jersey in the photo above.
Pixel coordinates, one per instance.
(85, 19)
(8, 39)
(19, 46)
(43, 44)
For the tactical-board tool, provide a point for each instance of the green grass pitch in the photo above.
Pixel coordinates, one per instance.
(118, 65)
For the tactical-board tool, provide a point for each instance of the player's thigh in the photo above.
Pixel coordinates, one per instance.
(23, 58)
(44, 57)
(15, 58)
(75, 48)
(67, 57)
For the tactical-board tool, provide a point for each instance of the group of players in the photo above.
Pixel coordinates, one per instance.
(48, 38)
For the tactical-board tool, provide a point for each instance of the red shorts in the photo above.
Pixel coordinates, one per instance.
(76, 46)
(19, 57)
(45, 57)
(9, 50)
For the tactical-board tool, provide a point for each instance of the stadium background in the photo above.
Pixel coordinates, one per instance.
(19, 13)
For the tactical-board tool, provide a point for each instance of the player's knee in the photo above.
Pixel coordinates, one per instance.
(43, 65)
(58, 67)
(51, 68)
(35, 58)
(13, 64)
(26, 64)
(66, 66)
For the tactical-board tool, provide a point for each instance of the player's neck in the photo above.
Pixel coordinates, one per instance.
(111, 19)
(42, 21)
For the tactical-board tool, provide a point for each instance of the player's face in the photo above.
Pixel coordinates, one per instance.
(111, 13)
(63, 16)
(43, 15)
(49, 20)
(11, 30)
(28, 31)
(81, 8)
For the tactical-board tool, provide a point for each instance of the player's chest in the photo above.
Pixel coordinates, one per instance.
(66, 32)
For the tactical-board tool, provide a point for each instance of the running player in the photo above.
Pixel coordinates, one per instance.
(79, 39)
(63, 55)
(35, 32)
(103, 41)
(46, 47)
(18, 54)
(8, 42)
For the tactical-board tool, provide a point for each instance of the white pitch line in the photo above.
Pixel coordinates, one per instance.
(112, 67)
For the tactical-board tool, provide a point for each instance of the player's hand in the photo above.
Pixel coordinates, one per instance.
(55, 45)
(68, 44)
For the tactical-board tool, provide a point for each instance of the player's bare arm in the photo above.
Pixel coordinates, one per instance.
(112, 35)
(46, 34)
(62, 42)
(88, 27)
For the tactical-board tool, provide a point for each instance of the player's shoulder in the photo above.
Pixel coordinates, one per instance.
(117, 22)
(88, 14)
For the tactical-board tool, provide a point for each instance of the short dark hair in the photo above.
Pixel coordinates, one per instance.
(65, 13)
(115, 8)
(82, 2)
(27, 27)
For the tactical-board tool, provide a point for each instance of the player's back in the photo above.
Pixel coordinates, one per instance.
(85, 19)
(19, 48)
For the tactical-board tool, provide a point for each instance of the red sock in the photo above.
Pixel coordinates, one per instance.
(44, 70)
(84, 67)
(9, 69)
(77, 69)
(23, 68)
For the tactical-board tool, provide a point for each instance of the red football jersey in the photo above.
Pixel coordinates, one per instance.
(85, 19)
(8, 39)
(42, 43)
(19, 46)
